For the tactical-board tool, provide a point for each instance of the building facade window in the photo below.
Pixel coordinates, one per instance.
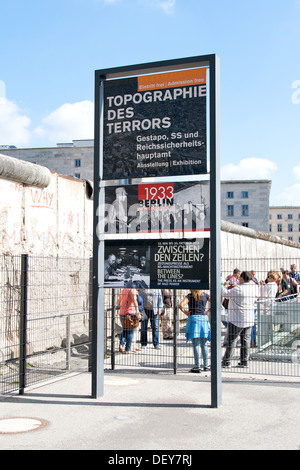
(245, 224)
(279, 228)
(290, 227)
(245, 211)
(290, 216)
(77, 175)
(245, 194)
(77, 163)
(279, 216)
(230, 195)
(230, 211)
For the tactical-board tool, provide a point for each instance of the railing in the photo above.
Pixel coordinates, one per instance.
(46, 324)
(278, 329)
(267, 355)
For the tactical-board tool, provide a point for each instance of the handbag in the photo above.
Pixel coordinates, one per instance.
(130, 322)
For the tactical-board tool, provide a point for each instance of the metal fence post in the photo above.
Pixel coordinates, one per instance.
(113, 332)
(23, 324)
(68, 342)
(90, 314)
(258, 326)
(175, 332)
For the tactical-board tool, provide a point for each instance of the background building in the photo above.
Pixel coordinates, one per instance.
(72, 159)
(285, 222)
(246, 203)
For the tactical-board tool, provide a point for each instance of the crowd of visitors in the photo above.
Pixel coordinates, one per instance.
(240, 292)
(141, 305)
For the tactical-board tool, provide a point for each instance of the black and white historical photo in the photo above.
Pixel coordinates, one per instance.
(157, 208)
(127, 265)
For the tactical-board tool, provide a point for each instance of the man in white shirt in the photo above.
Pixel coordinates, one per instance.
(242, 299)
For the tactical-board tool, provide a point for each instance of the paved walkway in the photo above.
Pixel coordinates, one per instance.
(157, 411)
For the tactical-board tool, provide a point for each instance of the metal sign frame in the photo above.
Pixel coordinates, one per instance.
(212, 62)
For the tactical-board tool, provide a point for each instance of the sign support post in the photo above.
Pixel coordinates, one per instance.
(98, 294)
(215, 231)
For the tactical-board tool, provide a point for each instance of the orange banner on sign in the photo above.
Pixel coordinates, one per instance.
(172, 80)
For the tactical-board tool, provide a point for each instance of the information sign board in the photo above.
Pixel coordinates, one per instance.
(155, 125)
(156, 120)
(173, 264)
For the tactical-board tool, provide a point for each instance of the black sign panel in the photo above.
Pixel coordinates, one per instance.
(155, 125)
(173, 264)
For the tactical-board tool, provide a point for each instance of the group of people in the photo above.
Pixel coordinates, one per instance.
(240, 293)
(143, 305)
(278, 284)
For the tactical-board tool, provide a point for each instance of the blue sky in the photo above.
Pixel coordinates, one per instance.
(50, 50)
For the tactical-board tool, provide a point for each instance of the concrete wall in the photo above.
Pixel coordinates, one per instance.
(62, 159)
(54, 221)
(250, 249)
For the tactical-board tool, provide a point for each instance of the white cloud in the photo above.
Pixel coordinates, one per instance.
(296, 171)
(249, 168)
(290, 196)
(68, 122)
(13, 123)
(167, 6)
(2, 89)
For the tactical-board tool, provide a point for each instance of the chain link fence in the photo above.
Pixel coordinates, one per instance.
(46, 324)
(271, 346)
